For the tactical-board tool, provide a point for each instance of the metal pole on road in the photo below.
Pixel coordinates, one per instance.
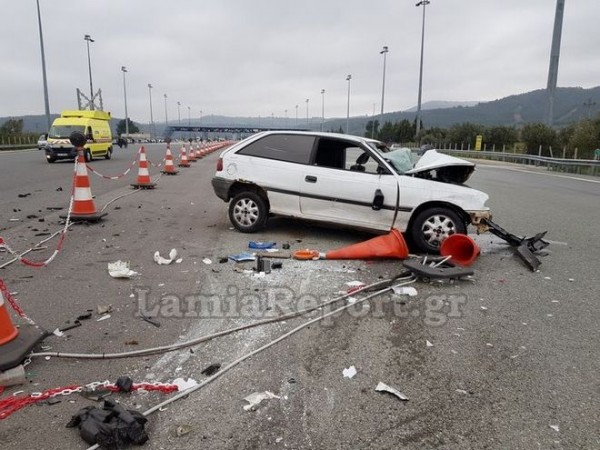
(151, 116)
(384, 52)
(322, 108)
(424, 3)
(46, 101)
(348, 78)
(124, 70)
(88, 39)
(306, 113)
(166, 115)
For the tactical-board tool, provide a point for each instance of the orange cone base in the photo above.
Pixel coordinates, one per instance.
(96, 217)
(170, 172)
(143, 185)
(14, 352)
(391, 246)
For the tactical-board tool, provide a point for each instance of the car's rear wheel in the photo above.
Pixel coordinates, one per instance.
(88, 155)
(431, 226)
(248, 212)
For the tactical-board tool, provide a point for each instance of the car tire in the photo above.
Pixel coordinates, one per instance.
(431, 226)
(108, 153)
(248, 212)
(88, 155)
(50, 160)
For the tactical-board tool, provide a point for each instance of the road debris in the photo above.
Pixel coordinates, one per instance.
(405, 290)
(110, 427)
(428, 344)
(256, 398)
(164, 261)
(150, 320)
(382, 387)
(242, 257)
(120, 269)
(207, 261)
(184, 385)
(350, 372)
(104, 317)
(182, 430)
(104, 309)
(555, 428)
(261, 245)
(211, 370)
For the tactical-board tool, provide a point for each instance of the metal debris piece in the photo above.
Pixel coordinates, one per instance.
(256, 398)
(150, 320)
(211, 370)
(446, 271)
(382, 387)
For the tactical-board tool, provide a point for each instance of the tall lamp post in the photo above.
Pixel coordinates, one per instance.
(423, 3)
(166, 114)
(348, 78)
(179, 117)
(307, 112)
(46, 101)
(189, 122)
(296, 116)
(286, 118)
(151, 116)
(124, 70)
(89, 39)
(384, 53)
(322, 108)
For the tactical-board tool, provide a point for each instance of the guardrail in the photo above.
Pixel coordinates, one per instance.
(17, 147)
(579, 166)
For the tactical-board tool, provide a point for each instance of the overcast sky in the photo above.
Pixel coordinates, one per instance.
(262, 57)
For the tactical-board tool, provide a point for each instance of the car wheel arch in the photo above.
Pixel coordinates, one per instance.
(437, 204)
(238, 187)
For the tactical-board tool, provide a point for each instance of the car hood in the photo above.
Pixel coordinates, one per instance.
(442, 167)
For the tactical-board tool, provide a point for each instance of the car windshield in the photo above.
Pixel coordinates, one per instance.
(64, 131)
(400, 159)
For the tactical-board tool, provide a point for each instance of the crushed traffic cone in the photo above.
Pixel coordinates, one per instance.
(461, 249)
(391, 245)
(191, 154)
(169, 166)
(183, 160)
(143, 179)
(15, 344)
(84, 208)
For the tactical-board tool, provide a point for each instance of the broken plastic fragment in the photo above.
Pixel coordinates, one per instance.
(404, 290)
(349, 372)
(382, 387)
(184, 385)
(58, 333)
(429, 344)
(163, 261)
(120, 269)
(256, 398)
(261, 245)
(555, 428)
(241, 257)
(207, 261)
(104, 317)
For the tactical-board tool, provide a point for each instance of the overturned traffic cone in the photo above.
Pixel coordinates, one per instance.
(15, 344)
(143, 180)
(191, 154)
(183, 160)
(389, 246)
(461, 249)
(84, 208)
(169, 166)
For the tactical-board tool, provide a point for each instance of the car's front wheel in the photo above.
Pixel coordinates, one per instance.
(431, 226)
(108, 153)
(248, 212)
(88, 155)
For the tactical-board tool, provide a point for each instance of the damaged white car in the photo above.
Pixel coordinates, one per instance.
(350, 181)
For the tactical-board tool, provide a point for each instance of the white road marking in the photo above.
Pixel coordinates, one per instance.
(539, 173)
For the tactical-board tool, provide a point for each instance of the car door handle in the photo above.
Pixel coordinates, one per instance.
(310, 179)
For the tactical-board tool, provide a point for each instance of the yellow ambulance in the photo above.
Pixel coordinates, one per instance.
(94, 125)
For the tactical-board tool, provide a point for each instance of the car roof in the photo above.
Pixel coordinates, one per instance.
(348, 137)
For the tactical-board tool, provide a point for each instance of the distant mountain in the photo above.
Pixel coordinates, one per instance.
(571, 104)
(440, 104)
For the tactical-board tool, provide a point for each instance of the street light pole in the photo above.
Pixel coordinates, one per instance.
(384, 53)
(88, 39)
(151, 116)
(423, 3)
(124, 70)
(179, 117)
(322, 108)
(296, 116)
(166, 115)
(189, 122)
(46, 101)
(306, 113)
(286, 118)
(348, 78)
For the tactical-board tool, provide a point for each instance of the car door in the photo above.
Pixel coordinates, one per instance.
(345, 185)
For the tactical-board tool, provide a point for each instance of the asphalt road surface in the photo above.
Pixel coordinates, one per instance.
(508, 360)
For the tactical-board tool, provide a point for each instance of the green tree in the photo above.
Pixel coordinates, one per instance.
(387, 132)
(405, 132)
(12, 127)
(465, 133)
(585, 138)
(536, 134)
(434, 135)
(500, 136)
(372, 127)
(133, 128)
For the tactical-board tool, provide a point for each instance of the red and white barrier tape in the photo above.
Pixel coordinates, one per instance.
(115, 177)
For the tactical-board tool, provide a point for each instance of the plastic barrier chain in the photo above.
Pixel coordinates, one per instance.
(13, 303)
(13, 403)
(115, 177)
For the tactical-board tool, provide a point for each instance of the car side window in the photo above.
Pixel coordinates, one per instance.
(343, 155)
(282, 147)
(358, 160)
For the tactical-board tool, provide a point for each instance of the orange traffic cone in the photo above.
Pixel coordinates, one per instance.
(143, 179)
(183, 161)
(84, 208)
(461, 249)
(391, 245)
(15, 344)
(191, 154)
(169, 167)
(199, 154)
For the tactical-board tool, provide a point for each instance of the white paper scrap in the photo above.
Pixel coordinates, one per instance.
(120, 269)
(349, 372)
(184, 385)
(404, 290)
(256, 398)
(164, 261)
(382, 387)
